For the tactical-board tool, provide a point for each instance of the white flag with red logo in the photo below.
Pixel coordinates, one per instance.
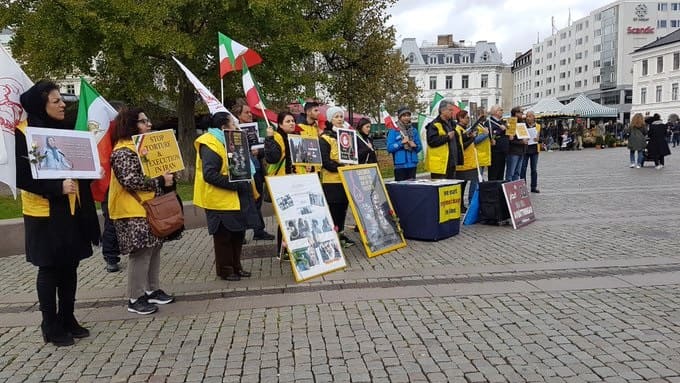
(13, 82)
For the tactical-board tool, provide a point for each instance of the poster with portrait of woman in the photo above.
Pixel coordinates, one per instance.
(347, 146)
(378, 223)
(62, 153)
(238, 155)
(306, 225)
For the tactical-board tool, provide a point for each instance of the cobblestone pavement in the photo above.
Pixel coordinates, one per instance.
(586, 293)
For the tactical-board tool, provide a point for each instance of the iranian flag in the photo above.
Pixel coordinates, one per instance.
(387, 119)
(434, 105)
(423, 121)
(96, 115)
(253, 97)
(234, 56)
(13, 82)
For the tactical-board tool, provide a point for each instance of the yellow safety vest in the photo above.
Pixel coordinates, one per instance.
(484, 150)
(32, 204)
(437, 158)
(469, 160)
(281, 164)
(206, 195)
(328, 177)
(121, 202)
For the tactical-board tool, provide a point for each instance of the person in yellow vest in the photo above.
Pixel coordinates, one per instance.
(60, 221)
(277, 154)
(533, 148)
(466, 171)
(330, 179)
(309, 126)
(229, 205)
(444, 149)
(129, 187)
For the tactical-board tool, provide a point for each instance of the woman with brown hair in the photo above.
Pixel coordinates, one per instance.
(636, 140)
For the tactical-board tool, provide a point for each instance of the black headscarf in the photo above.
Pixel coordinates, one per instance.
(34, 101)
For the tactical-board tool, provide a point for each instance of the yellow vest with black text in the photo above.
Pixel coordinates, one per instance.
(32, 204)
(483, 149)
(469, 159)
(206, 195)
(281, 164)
(437, 158)
(328, 177)
(121, 203)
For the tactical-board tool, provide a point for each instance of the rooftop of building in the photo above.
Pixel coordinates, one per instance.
(670, 38)
(480, 52)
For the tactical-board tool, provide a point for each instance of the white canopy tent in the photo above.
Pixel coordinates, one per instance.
(547, 107)
(585, 107)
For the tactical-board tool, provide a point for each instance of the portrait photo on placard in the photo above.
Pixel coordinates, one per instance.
(61, 153)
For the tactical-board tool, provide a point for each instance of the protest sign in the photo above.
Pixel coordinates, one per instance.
(347, 146)
(522, 132)
(253, 134)
(304, 150)
(62, 153)
(158, 153)
(238, 155)
(519, 204)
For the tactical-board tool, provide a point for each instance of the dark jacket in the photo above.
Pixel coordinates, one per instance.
(61, 238)
(366, 154)
(334, 192)
(657, 145)
(498, 134)
(272, 151)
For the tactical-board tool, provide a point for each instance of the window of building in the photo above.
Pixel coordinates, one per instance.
(661, 23)
(433, 82)
(612, 77)
(563, 75)
(597, 32)
(433, 60)
(675, 6)
(550, 67)
(71, 89)
(645, 68)
(585, 82)
(485, 81)
(662, 6)
(578, 69)
(563, 49)
(549, 55)
(448, 82)
(498, 101)
(587, 22)
(449, 59)
(579, 41)
(597, 48)
(548, 92)
(549, 80)
(577, 84)
(562, 88)
(484, 103)
(659, 64)
(586, 38)
(676, 61)
(643, 95)
(563, 35)
(598, 17)
(485, 56)
(537, 73)
(411, 58)
(563, 62)
(466, 58)
(658, 93)
(596, 79)
(579, 26)
(674, 91)
(465, 80)
(674, 23)
(550, 43)
(578, 56)
(498, 80)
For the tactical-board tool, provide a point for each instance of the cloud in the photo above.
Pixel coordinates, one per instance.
(513, 25)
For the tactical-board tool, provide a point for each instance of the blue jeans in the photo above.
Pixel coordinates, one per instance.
(640, 157)
(474, 184)
(513, 165)
(533, 158)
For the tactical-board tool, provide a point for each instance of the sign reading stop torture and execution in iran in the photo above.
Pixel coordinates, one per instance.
(158, 153)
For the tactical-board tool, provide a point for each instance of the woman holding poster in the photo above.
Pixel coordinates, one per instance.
(366, 150)
(128, 189)
(229, 206)
(277, 154)
(60, 222)
(330, 179)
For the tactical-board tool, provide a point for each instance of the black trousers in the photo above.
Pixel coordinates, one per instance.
(660, 161)
(497, 168)
(57, 282)
(338, 212)
(405, 174)
(228, 246)
(110, 249)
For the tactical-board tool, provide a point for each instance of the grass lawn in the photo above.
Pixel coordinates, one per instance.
(10, 208)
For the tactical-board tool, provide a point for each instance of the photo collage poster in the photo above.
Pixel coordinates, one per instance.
(306, 224)
(62, 153)
(372, 209)
(347, 146)
(304, 150)
(238, 155)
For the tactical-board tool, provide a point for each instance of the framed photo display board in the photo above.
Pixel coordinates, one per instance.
(373, 212)
(347, 146)
(62, 153)
(306, 225)
(158, 153)
(304, 150)
(238, 155)
(253, 134)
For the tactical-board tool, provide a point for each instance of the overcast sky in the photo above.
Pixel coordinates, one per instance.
(512, 24)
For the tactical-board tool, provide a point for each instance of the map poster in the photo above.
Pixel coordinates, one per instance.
(347, 146)
(372, 209)
(238, 155)
(158, 153)
(306, 225)
(304, 150)
(62, 153)
(519, 204)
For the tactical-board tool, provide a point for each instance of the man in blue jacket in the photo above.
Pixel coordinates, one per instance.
(404, 144)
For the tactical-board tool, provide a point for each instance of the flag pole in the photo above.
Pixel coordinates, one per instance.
(222, 90)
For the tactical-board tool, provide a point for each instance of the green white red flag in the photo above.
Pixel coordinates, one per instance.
(387, 119)
(96, 115)
(254, 98)
(233, 55)
(434, 105)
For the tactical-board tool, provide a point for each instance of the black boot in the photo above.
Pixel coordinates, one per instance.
(52, 331)
(71, 325)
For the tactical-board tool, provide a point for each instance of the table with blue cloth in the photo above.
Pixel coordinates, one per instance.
(428, 210)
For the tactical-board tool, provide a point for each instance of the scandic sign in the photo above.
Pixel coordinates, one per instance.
(639, 31)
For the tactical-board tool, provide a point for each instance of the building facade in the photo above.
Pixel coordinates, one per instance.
(593, 55)
(522, 79)
(656, 77)
(458, 71)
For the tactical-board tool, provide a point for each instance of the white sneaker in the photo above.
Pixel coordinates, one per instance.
(632, 166)
(658, 167)
(637, 166)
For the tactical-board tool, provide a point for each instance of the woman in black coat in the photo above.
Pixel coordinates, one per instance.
(365, 143)
(56, 238)
(657, 146)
